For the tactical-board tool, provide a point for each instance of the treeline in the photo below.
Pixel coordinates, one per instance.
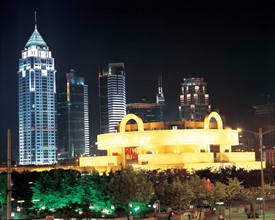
(69, 193)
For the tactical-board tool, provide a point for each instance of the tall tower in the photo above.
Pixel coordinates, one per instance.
(112, 96)
(160, 100)
(37, 103)
(194, 99)
(73, 117)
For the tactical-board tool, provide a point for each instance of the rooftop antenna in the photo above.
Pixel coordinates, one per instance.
(35, 20)
(99, 73)
(160, 84)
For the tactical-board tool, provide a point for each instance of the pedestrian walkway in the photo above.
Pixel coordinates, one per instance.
(240, 217)
(237, 213)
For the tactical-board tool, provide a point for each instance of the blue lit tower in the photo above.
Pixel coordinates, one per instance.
(73, 117)
(37, 103)
(194, 99)
(112, 96)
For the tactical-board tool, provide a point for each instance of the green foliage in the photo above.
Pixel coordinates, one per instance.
(203, 194)
(3, 188)
(232, 192)
(233, 189)
(93, 189)
(177, 195)
(269, 190)
(21, 188)
(249, 178)
(158, 176)
(56, 189)
(67, 191)
(251, 194)
(128, 186)
(219, 192)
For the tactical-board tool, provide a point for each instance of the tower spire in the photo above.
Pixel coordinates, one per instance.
(35, 20)
(160, 84)
(160, 97)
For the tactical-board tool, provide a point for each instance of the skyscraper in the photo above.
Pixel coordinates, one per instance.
(194, 99)
(37, 103)
(112, 96)
(73, 117)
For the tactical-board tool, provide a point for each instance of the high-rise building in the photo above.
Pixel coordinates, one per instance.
(112, 96)
(194, 99)
(37, 103)
(149, 112)
(73, 117)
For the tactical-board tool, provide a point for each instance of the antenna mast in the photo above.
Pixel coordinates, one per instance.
(35, 20)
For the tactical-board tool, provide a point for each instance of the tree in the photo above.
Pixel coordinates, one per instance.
(233, 191)
(250, 195)
(219, 192)
(55, 189)
(94, 191)
(202, 190)
(3, 189)
(177, 194)
(128, 187)
(21, 187)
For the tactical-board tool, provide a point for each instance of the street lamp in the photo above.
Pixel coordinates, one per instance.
(260, 134)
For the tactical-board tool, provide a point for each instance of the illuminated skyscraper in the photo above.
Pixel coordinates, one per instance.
(194, 99)
(73, 117)
(37, 103)
(112, 96)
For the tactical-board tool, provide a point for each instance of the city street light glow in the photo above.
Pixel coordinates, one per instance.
(260, 135)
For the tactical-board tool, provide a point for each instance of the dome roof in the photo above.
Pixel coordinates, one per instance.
(36, 39)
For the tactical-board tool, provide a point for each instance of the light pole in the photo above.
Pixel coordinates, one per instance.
(260, 134)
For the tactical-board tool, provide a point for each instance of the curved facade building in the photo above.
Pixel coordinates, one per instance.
(180, 144)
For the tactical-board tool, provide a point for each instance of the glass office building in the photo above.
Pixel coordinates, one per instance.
(73, 117)
(37, 103)
(112, 97)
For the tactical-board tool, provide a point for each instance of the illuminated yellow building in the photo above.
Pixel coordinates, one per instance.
(189, 145)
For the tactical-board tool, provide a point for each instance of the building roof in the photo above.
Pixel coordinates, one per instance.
(36, 39)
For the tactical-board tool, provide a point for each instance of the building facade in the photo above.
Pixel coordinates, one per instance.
(149, 112)
(37, 103)
(264, 117)
(190, 145)
(194, 100)
(73, 117)
(112, 96)
(269, 156)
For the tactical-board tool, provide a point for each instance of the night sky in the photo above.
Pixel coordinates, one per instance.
(228, 43)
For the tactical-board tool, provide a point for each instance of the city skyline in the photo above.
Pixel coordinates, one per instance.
(230, 45)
